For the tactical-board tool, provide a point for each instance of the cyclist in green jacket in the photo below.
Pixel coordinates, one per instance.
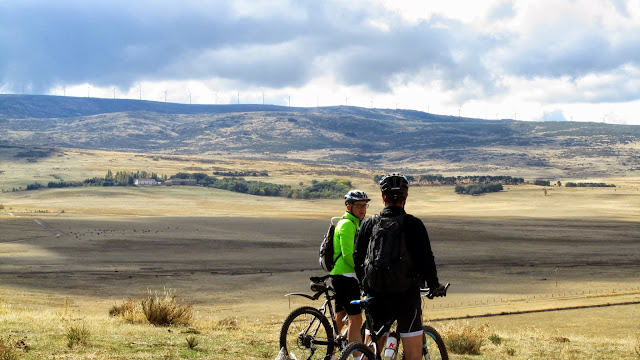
(345, 282)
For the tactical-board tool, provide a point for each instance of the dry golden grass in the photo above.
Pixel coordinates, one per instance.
(234, 256)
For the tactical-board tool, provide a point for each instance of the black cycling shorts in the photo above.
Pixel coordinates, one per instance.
(406, 307)
(347, 290)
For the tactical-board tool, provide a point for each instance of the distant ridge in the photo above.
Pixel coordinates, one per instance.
(337, 135)
(50, 106)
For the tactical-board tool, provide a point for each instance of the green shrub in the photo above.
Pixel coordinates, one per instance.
(77, 335)
(478, 189)
(495, 339)
(166, 309)
(542, 182)
(192, 342)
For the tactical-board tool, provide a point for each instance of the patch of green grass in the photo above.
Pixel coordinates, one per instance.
(495, 339)
(192, 342)
(77, 336)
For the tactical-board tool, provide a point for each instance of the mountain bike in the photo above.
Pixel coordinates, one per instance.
(308, 332)
(433, 347)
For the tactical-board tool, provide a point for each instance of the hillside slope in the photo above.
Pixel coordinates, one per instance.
(336, 135)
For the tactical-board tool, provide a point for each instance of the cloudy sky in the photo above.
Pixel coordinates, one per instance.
(568, 60)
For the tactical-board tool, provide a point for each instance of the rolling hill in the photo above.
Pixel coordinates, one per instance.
(342, 135)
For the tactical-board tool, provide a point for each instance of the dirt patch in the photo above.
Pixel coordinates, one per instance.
(210, 258)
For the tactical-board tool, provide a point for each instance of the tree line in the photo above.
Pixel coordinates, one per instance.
(458, 180)
(572, 184)
(317, 190)
(325, 189)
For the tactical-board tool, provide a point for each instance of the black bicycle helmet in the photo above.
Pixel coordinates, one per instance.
(355, 195)
(394, 184)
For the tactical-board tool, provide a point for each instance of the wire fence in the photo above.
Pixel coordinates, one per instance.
(565, 295)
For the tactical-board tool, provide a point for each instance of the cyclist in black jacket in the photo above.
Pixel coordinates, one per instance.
(404, 306)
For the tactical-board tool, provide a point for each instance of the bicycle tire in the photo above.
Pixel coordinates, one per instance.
(307, 334)
(433, 345)
(356, 348)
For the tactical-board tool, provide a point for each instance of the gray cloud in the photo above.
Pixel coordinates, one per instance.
(119, 43)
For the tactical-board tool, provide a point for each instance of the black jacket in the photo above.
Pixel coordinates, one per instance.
(417, 241)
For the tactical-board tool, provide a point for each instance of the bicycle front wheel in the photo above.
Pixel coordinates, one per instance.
(357, 349)
(433, 347)
(307, 334)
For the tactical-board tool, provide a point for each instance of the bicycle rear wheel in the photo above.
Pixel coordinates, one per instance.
(357, 349)
(433, 347)
(307, 334)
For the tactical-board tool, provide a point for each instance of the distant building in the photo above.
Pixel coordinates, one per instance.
(187, 182)
(141, 182)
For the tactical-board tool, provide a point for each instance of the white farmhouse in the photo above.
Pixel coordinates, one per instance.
(141, 182)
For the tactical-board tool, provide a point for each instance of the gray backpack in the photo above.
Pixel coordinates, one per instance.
(326, 247)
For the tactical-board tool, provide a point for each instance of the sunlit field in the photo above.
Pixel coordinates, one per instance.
(67, 256)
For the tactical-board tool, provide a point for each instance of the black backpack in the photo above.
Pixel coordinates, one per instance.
(387, 265)
(326, 247)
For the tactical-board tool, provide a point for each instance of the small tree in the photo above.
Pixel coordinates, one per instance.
(542, 182)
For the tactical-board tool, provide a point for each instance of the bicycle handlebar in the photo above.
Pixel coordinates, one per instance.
(317, 279)
(437, 292)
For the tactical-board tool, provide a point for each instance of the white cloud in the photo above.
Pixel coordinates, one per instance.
(486, 59)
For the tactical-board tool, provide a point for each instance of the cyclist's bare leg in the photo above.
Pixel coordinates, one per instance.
(412, 347)
(355, 322)
(339, 321)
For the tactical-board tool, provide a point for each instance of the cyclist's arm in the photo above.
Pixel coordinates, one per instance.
(347, 234)
(421, 248)
(360, 251)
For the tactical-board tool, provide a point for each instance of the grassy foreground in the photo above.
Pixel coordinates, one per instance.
(46, 333)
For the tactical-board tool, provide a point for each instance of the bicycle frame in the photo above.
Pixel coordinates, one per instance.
(377, 336)
(321, 288)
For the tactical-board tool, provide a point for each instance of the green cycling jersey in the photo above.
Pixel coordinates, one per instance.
(343, 243)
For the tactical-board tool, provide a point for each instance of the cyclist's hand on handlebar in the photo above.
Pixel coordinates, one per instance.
(441, 290)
